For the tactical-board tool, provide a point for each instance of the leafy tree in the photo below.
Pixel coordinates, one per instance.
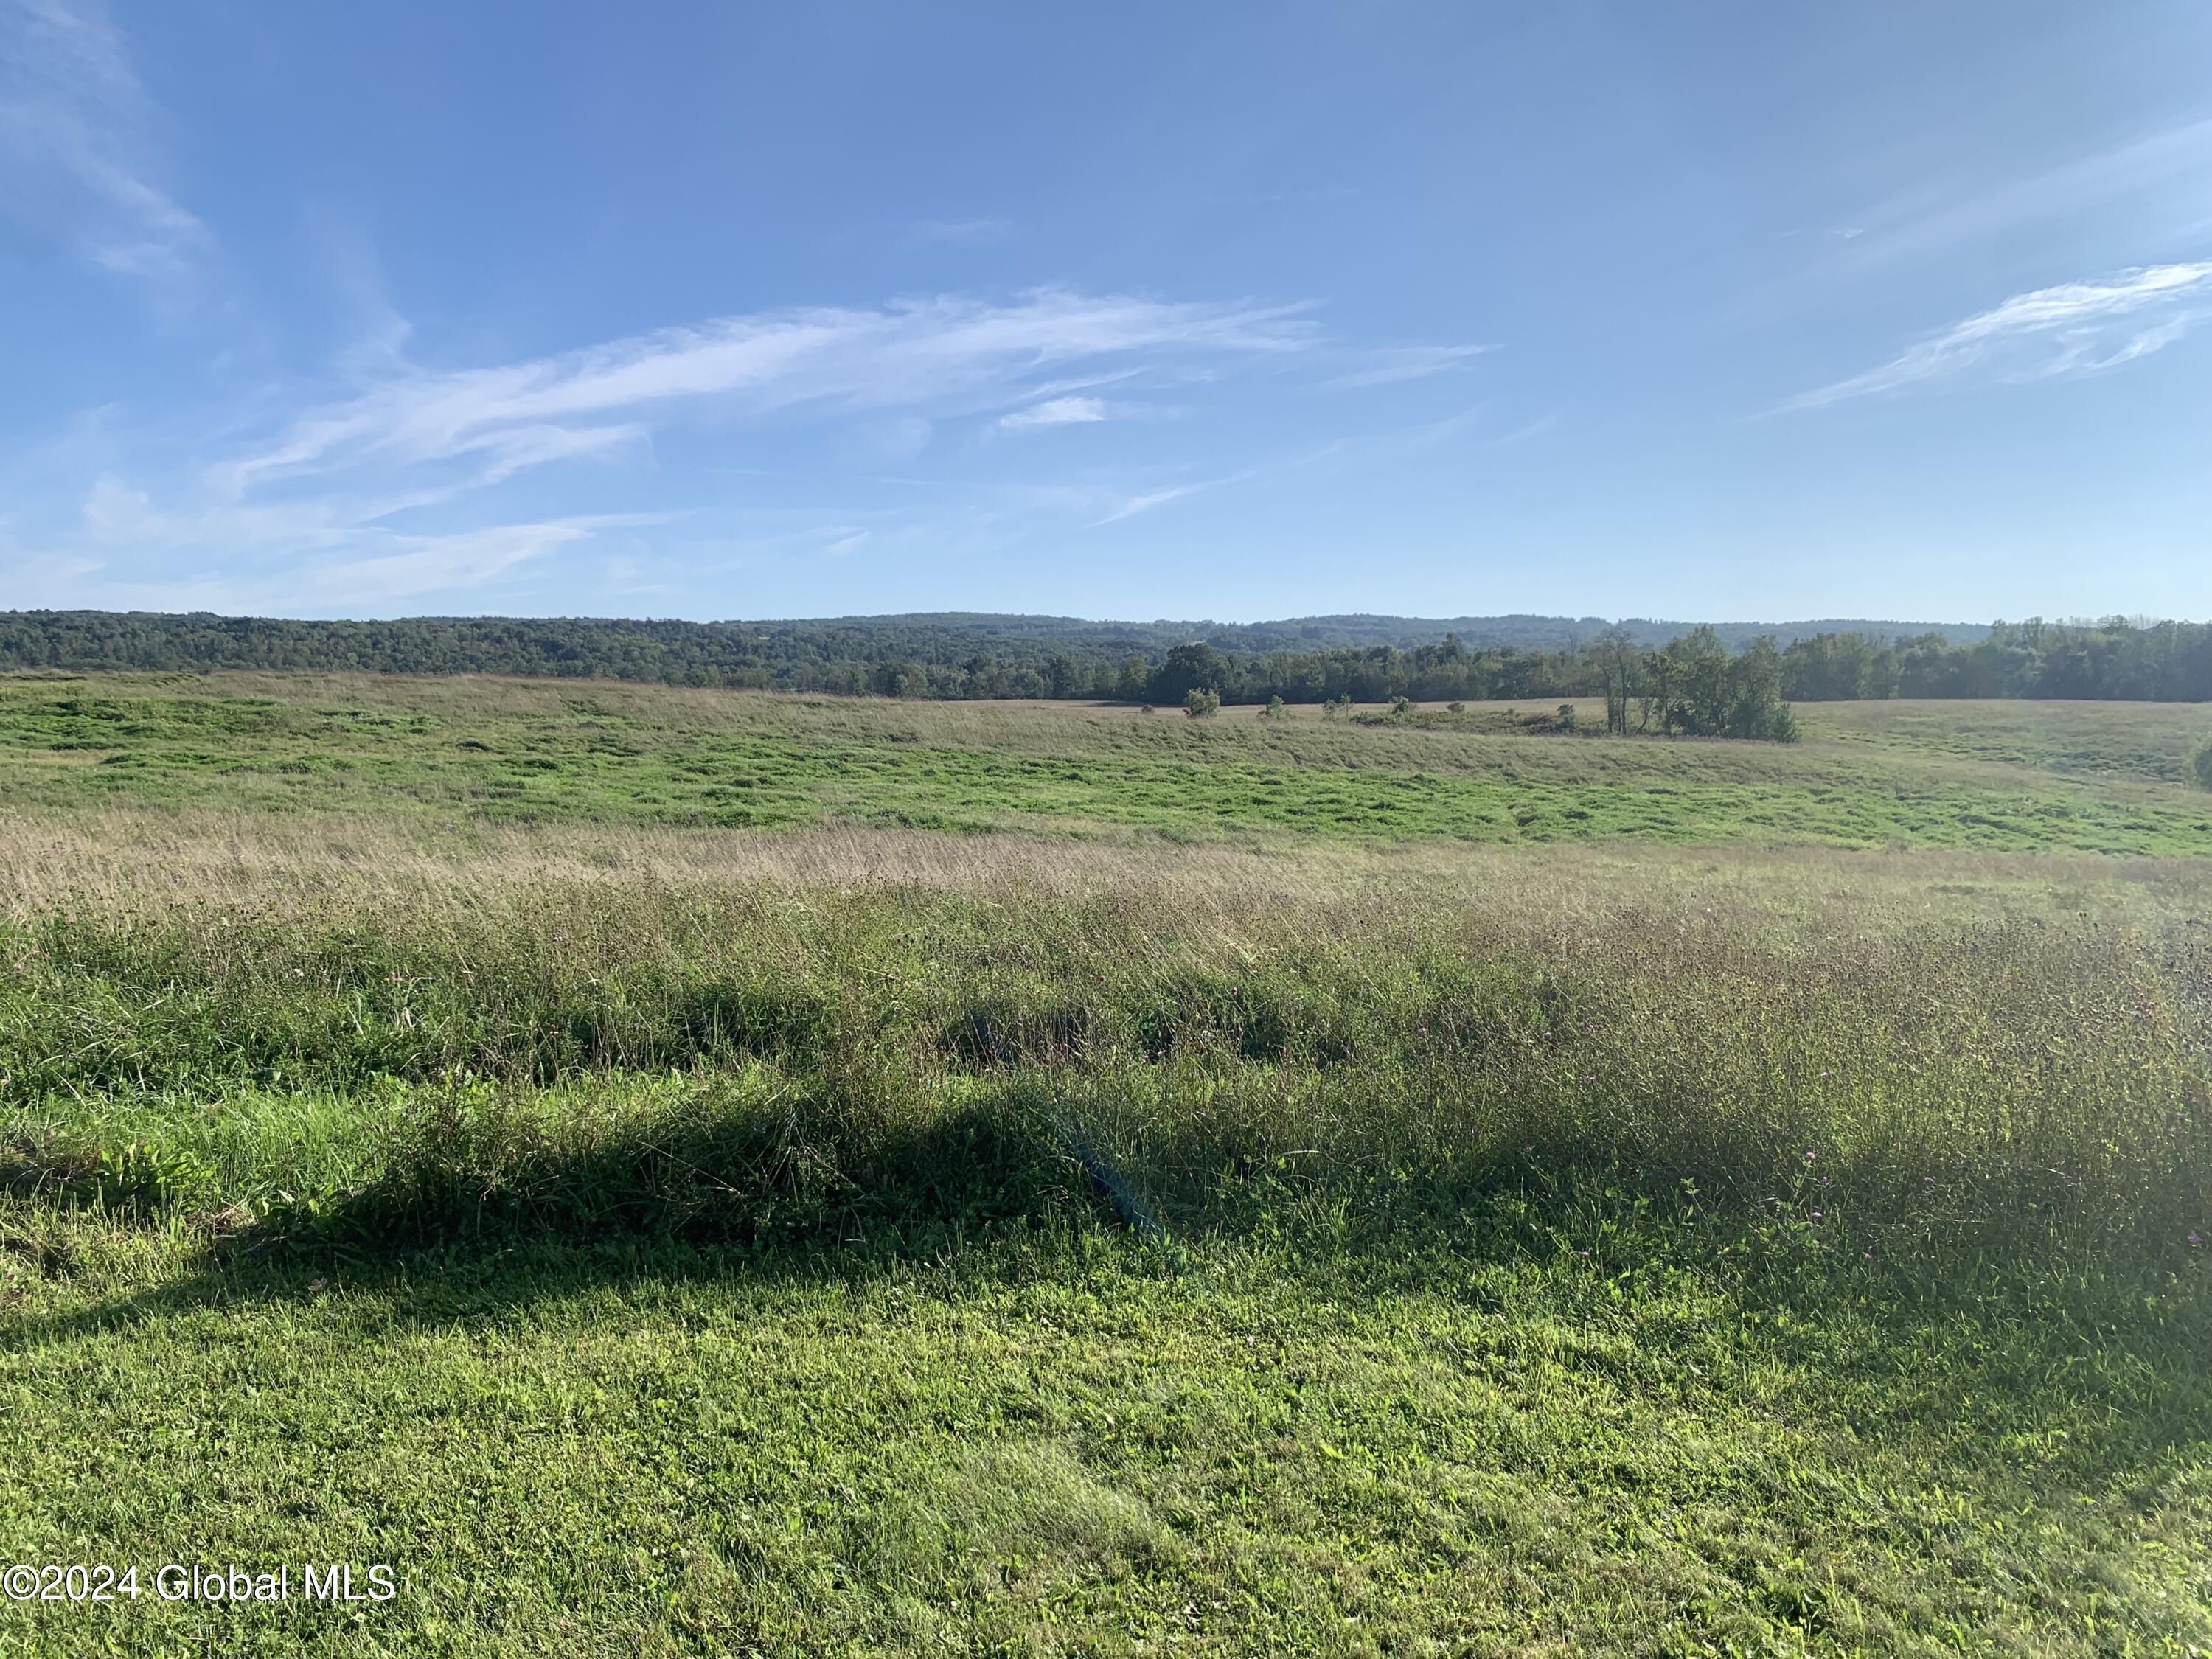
(1700, 678)
(1619, 661)
(1702, 691)
(1755, 708)
(1189, 668)
(1198, 703)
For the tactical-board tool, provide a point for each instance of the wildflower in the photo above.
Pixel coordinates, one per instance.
(1590, 1077)
(1825, 1071)
(1808, 1158)
(2194, 1241)
(1816, 1215)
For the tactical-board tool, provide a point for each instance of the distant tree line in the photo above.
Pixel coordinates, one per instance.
(2117, 659)
(1703, 679)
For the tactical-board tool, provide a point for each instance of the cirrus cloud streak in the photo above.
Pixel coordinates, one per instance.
(2071, 329)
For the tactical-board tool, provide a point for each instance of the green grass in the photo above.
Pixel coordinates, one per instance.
(534, 753)
(2151, 741)
(1764, 1216)
(1072, 1445)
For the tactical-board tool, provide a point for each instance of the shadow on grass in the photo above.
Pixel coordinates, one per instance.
(472, 1217)
(2117, 1376)
(477, 1217)
(2109, 1359)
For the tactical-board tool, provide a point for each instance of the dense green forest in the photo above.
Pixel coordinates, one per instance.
(1313, 659)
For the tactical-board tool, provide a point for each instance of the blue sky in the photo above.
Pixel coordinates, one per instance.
(1733, 311)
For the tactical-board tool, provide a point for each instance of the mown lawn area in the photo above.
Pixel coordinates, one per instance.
(1606, 1440)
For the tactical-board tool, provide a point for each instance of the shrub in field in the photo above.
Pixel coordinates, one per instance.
(1197, 703)
(2200, 764)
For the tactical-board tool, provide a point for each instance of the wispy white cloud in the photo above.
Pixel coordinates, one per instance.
(1527, 429)
(913, 354)
(399, 481)
(2172, 166)
(323, 552)
(1126, 505)
(1055, 411)
(1133, 505)
(1478, 423)
(1389, 365)
(75, 159)
(441, 563)
(2072, 329)
(414, 481)
(1089, 382)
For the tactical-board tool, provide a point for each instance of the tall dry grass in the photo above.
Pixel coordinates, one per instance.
(406, 1026)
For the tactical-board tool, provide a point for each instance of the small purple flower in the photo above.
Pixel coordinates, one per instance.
(1590, 1077)
(2194, 1241)
(1808, 1158)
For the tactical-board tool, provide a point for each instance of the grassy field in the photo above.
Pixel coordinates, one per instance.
(1976, 775)
(646, 1165)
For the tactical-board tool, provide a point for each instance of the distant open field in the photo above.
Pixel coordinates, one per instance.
(2000, 776)
(680, 1171)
